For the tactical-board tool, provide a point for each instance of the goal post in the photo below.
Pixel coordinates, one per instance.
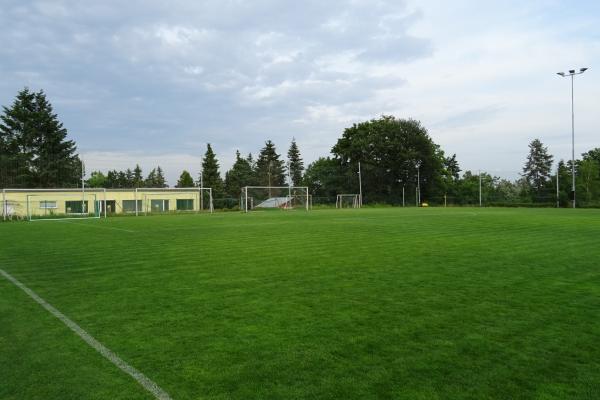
(53, 204)
(348, 200)
(172, 200)
(275, 198)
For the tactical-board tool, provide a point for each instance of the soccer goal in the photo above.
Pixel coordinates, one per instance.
(275, 198)
(172, 200)
(351, 200)
(52, 204)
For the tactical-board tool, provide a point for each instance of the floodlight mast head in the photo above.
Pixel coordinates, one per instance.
(572, 72)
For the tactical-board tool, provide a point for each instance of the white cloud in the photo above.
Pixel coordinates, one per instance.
(147, 77)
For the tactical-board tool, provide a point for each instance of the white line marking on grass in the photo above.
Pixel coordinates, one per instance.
(142, 379)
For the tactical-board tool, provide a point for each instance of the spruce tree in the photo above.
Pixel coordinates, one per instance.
(537, 169)
(270, 169)
(122, 179)
(34, 144)
(138, 178)
(112, 179)
(129, 178)
(151, 179)
(238, 176)
(56, 163)
(160, 182)
(185, 180)
(295, 164)
(210, 172)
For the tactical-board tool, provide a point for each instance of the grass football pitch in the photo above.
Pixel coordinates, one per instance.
(332, 304)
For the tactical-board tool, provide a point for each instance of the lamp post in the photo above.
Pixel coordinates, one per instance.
(572, 74)
(402, 182)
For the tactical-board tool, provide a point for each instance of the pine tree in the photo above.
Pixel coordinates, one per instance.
(160, 182)
(122, 180)
(56, 163)
(210, 172)
(238, 176)
(185, 180)
(151, 179)
(129, 178)
(16, 155)
(138, 178)
(35, 145)
(269, 168)
(112, 179)
(537, 169)
(295, 164)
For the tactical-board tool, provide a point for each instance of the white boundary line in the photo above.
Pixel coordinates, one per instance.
(142, 379)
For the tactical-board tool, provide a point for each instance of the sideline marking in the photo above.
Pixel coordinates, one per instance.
(142, 379)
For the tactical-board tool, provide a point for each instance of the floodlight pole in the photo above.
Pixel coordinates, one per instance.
(359, 186)
(572, 74)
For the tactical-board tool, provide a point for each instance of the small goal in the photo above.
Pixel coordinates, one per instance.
(345, 200)
(275, 198)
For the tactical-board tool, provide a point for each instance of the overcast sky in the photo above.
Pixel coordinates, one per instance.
(151, 82)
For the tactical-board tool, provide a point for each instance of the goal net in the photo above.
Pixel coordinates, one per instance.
(54, 204)
(172, 200)
(351, 200)
(274, 198)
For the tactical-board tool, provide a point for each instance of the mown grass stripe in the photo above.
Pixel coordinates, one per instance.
(142, 379)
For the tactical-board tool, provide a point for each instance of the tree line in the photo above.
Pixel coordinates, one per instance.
(398, 158)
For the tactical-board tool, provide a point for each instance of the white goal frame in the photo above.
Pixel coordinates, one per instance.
(289, 196)
(356, 203)
(142, 193)
(95, 192)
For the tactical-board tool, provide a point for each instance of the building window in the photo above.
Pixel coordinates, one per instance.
(129, 205)
(159, 205)
(48, 204)
(76, 207)
(185, 204)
